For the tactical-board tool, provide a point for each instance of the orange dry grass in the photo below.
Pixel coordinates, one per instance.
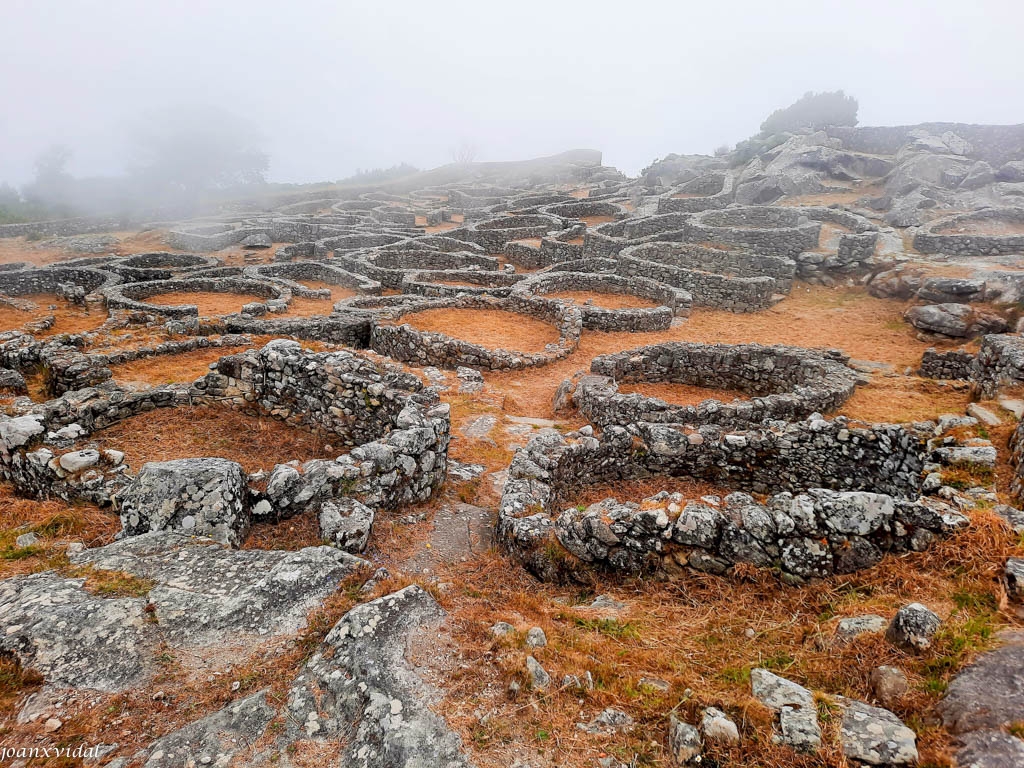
(593, 221)
(813, 316)
(178, 433)
(988, 227)
(604, 300)
(681, 394)
(68, 317)
(693, 633)
(209, 303)
(172, 369)
(638, 490)
(490, 328)
(904, 399)
(338, 292)
(56, 523)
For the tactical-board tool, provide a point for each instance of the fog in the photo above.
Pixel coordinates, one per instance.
(325, 88)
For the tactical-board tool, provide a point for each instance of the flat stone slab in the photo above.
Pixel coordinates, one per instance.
(200, 593)
(990, 692)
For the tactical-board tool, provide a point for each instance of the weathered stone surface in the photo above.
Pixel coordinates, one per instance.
(957, 320)
(849, 628)
(346, 524)
(716, 726)
(539, 678)
(200, 594)
(535, 638)
(913, 627)
(362, 687)
(798, 716)
(215, 739)
(203, 497)
(990, 692)
(888, 684)
(876, 736)
(990, 749)
(684, 743)
(610, 721)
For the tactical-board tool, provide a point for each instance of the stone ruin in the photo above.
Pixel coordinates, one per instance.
(805, 494)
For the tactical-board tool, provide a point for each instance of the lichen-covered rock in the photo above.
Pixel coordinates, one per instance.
(72, 638)
(361, 687)
(609, 721)
(684, 744)
(851, 627)
(203, 497)
(346, 524)
(913, 627)
(798, 716)
(215, 739)
(200, 593)
(875, 736)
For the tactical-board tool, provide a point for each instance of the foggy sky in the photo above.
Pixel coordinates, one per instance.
(334, 86)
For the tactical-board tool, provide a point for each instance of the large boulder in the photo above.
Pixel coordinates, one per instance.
(956, 320)
(203, 497)
(359, 701)
(362, 687)
(214, 739)
(989, 694)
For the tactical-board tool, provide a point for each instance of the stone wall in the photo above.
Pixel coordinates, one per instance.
(405, 343)
(784, 383)
(999, 363)
(766, 229)
(793, 457)
(935, 237)
(674, 302)
(949, 364)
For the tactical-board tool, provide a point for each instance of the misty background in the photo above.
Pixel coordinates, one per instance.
(155, 101)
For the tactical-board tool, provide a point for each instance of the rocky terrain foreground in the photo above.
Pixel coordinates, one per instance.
(528, 464)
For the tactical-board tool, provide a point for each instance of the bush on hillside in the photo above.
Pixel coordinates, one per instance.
(812, 111)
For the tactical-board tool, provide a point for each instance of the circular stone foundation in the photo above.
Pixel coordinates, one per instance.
(988, 232)
(403, 341)
(192, 297)
(669, 302)
(781, 382)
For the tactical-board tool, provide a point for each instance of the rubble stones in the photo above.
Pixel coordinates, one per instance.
(875, 736)
(203, 497)
(794, 704)
(684, 742)
(346, 524)
(913, 627)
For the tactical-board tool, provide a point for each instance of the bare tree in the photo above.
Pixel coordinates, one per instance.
(465, 153)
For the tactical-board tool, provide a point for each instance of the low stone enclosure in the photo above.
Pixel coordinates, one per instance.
(987, 232)
(132, 296)
(397, 432)
(785, 383)
(672, 302)
(843, 496)
(724, 279)
(705, 192)
(493, 233)
(286, 276)
(998, 364)
(447, 283)
(407, 344)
